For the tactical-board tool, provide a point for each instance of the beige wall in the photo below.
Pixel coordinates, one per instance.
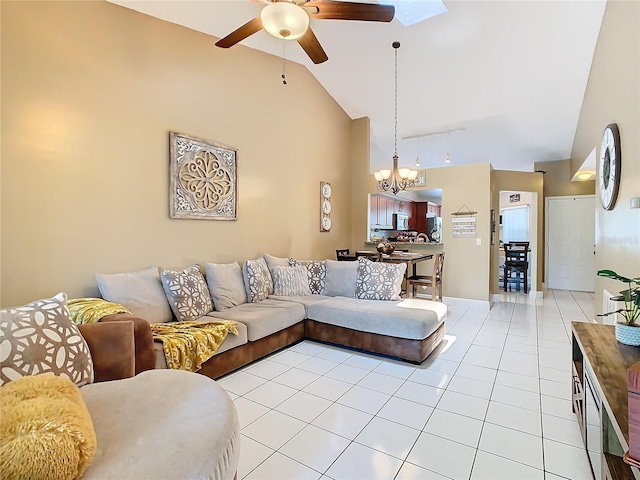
(557, 180)
(613, 96)
(89, 93)
(523, 182)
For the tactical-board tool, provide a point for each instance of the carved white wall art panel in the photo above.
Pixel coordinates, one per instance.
(203, 179)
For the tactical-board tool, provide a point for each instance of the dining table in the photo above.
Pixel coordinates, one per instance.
(411, 259)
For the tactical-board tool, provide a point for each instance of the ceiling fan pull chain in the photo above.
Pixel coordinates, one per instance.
(284, 63)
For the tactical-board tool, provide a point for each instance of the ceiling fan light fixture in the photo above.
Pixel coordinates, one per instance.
(285, 20)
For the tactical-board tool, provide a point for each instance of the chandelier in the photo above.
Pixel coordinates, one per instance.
(397, 179)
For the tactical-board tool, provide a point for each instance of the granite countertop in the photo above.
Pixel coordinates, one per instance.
(413, 244)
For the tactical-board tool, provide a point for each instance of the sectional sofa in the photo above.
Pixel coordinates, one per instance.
(278, 302)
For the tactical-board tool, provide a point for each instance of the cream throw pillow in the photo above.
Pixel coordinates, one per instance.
(290, 281)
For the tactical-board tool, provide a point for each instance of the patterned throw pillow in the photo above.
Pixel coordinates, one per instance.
(316, 271)
(290, 281)
(379, 280)
(41, 338)
(257, 280)
(187, 293)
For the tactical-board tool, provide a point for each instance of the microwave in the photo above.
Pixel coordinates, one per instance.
(400, 221)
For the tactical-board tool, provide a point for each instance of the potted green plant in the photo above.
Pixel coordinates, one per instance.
(627, 332)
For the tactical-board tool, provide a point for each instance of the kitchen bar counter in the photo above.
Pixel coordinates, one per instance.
(409, 244)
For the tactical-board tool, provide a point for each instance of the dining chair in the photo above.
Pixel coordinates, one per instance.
(516, 264)
(342, 254)
(434, 281)
(373, 256)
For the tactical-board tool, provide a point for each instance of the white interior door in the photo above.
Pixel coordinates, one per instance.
(571, 263)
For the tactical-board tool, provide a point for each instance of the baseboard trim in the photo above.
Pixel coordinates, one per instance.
(468, 303)
(536, 294)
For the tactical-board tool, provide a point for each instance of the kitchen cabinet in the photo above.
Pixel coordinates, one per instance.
(421, 217)
(383, 207)
(380, 212)
(434, 208)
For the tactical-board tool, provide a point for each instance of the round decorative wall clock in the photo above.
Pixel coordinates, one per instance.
(610, 166)
(325, 207)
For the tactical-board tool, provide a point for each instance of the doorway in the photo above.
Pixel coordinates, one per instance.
(519, 223)
(570, 243)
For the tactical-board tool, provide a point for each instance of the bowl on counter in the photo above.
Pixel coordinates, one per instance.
(385, 248)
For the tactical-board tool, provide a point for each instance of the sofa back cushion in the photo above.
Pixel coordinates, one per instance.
(290, 281)
(187, 293)
(316, 272)
(275, 262)
(341, 278)
(257, 280)
(139, 292)
(379, 280)
(41, 338)
(225, 285)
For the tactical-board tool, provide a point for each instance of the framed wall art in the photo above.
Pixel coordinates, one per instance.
(421, 179)
(203, 177)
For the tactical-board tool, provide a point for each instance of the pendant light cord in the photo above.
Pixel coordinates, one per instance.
(396, 45)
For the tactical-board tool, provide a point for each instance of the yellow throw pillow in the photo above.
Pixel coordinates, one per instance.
(45, 429)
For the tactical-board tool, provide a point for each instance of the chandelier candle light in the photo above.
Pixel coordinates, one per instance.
(397, 179)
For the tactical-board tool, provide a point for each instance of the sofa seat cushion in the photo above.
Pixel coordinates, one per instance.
(305, 300)
(230, 342)
(265, 317)
(163, 424)
(413, 319)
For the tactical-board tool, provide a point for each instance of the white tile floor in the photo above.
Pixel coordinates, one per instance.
(492, 403)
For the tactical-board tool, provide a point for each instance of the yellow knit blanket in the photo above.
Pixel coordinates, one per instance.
(187, 345)
(91, 310)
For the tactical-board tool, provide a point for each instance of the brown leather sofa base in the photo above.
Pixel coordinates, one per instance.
(410, 350)
(144, 352)
(414, 351)
(237, 357)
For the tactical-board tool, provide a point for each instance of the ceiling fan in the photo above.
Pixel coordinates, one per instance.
(289, 20)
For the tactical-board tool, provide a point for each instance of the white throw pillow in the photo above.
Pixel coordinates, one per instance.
(257, 280)
(290, 281)
(225, 285)
(187, 293)
(379, 280)
(139, 292)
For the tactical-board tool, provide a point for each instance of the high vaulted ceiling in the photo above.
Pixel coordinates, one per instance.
(506, 79)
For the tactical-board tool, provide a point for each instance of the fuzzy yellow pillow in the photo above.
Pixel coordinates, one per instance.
(45, 429)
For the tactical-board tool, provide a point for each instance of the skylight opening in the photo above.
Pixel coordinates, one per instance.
(409, 12)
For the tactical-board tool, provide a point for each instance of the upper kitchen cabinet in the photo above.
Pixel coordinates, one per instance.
(434, 208)
(383, 207)
(380, 212)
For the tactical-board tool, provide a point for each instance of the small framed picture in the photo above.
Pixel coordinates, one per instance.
(421, 179)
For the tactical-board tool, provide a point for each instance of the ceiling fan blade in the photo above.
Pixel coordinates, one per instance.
(368, 12)
(312, 46)
(241, 33)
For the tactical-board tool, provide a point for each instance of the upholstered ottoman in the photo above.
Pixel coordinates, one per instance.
(163, 424)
